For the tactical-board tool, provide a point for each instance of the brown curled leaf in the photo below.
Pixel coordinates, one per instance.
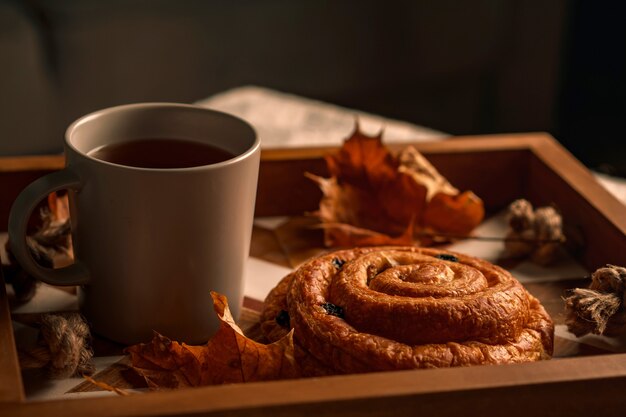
(345, 235)
(228, 357)
(456, 214)
(107, 387)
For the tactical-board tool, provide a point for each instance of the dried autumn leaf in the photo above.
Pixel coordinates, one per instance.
(342, 234)
(107, 387)
(416, 166)
(59, 207)
(375, 198)
(363, 160)
(455, 214)
(346, 207)
(229, 357)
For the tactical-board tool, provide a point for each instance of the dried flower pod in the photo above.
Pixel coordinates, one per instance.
(535, 233)
(521, 215)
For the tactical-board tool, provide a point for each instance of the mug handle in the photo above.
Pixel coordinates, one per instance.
(25, 203)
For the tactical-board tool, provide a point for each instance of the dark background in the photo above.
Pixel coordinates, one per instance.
(463, 67)
(591, 106)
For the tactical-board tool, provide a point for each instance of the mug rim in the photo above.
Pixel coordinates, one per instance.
(256, 144)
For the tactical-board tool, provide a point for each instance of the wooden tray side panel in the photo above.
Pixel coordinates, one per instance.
(284, 190)
(11, 388)
(498, 177)
(597, 242)
(594, 219)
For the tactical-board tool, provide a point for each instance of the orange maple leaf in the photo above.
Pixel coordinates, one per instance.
(376, 198)
(228, 357)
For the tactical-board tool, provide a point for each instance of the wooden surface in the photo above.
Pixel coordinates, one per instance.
(10, 377)
(494, 171)
(499, 169)
(567, 387)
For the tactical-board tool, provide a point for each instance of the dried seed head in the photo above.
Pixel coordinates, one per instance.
(548, 223)
(521, 215)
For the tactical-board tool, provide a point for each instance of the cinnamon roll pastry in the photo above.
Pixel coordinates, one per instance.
(389, 308)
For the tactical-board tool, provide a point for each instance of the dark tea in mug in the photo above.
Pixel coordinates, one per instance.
(161, 153)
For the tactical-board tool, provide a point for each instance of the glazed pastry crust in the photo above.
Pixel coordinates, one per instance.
(406, 308)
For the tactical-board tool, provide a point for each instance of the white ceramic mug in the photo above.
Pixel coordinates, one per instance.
(150, 244)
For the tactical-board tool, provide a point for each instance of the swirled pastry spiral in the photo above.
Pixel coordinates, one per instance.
(389, 308)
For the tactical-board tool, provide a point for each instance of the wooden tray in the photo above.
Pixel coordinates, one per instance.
(499, 169)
